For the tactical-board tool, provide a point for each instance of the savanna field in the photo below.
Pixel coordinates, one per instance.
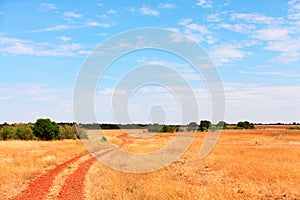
(263, 163)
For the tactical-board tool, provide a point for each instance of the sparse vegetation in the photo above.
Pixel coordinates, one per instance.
(245, 125)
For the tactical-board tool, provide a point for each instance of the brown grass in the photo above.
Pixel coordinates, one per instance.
(21, 161)
(245, 164)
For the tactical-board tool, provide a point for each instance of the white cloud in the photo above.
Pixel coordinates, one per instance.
(64, 38)
(285, 74)
(258, 103)
(40, 100)
(271, 34)
(166, 5)
(97, 24)
(48, 6)
(289, 49)
(113, 91)
(239, 28)
(111, 11)
(13, 46)
(226, 53)
(256, 18)
(196, 32)
(72, 14)
(205, 3)
(213, 18)
(149, 11)
(53, 28)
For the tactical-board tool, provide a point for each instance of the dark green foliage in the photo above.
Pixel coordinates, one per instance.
(103, 139)
(45, 129)
(24, 132)
(169, 129)
(204, 125)
(193, 126)
(245, 125)
(8, 133)
(163, 128)
(221, 125)
(16, 132)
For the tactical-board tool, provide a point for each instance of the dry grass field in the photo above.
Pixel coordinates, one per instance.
(22, 161)
(245, 164)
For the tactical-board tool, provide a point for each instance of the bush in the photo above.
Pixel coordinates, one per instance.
(68, 132)
(204, 125)
(45, 129)
(24, 132)
(245, 125)
(81, 133)
(193, 126)
(8, 133)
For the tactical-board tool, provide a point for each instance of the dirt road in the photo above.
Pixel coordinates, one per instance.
(66, 180)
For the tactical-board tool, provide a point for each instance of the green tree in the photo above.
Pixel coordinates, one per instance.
(45, 129)
(24, 132)
(245, 125)
(204, 125)
(193, 126)
(221, 125)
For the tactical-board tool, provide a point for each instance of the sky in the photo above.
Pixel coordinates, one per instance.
(254, 45)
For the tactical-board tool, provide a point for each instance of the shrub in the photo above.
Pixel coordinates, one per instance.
(45, 129)
(204, 125)
(68, 132)
(245, 125)
(193, 126)
(24, 132)
(81, 133)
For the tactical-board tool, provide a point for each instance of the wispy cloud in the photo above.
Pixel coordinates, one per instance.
(48, 6)
(98, 24)
(148, 11)
(111, 11)
(53, 28)
(14, 46)
(205, 3)
(271, 34)
(227, 53)
(72, 14)
(196, 32)
(64, 38)
(289, 49)
(166, 5)
(285, 74)
(239, 28)
(256, 18)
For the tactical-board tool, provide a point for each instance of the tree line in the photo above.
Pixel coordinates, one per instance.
(42, 129)
(45, 129)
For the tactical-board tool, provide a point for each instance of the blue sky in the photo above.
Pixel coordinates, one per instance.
(255, 46)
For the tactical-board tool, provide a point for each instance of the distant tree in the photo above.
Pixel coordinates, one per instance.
(204, 125)
(245, 125)
(193, 126)
(24, 132)
(45, 129)
(221, 125)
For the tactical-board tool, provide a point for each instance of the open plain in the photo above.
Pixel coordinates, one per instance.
(262, 163)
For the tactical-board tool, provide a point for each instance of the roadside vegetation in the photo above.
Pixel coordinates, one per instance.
(43, 129)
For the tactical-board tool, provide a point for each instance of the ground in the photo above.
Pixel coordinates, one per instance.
(245, 164)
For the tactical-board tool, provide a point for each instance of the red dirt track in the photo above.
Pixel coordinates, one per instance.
(73, 187)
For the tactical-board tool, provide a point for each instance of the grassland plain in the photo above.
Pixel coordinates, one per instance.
(245, 164)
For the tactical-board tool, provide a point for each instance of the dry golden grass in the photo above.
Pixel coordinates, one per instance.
(246, 164)
(21, 161)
